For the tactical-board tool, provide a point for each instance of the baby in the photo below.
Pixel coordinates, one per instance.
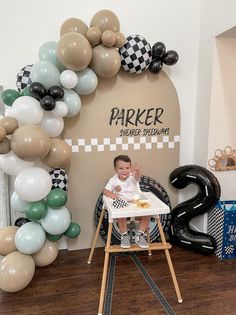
(124, 187)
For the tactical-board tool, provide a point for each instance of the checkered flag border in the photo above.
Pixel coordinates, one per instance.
(135, 54)
(124, 144)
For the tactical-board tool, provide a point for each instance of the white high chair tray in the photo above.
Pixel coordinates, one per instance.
(156, 207)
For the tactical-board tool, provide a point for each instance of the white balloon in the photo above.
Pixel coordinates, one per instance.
(9, 112)
(60, 110)
(68, 79)
(17, 204)
(30, 238)
(33, 184)
(51, 124)
(12, 164)
(72, 100)
(27, 110)
(56, 221)
(87, 82)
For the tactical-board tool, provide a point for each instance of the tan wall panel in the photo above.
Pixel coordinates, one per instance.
(92, 160)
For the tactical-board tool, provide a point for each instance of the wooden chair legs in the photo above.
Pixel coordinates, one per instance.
(163, 239)
(105, 268)
(96, 236)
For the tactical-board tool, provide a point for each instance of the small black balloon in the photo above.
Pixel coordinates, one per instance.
(155, 66)
(170, 58)
(47, 103)
(158, 50)
(37, 90)
(56, 92)
(20, 221)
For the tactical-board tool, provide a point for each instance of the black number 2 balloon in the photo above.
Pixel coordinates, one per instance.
(208, 193)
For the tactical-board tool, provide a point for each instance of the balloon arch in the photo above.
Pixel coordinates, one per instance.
(48, 91)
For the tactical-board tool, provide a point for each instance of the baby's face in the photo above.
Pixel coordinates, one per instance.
(123, 169)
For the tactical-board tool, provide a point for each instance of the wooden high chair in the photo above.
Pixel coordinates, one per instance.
(156, 208)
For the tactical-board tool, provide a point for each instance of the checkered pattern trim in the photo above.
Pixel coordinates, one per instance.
(135, 54)
(124, 144)
(119, 203)
(215, 228)
(23, 77)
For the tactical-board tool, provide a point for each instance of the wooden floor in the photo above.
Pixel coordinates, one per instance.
(70, 286)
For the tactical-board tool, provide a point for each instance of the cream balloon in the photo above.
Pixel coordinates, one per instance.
(27, 110)
(59, 154)
(105, 61)
(11, 164)
(30, 141)
(16, 271)
(7, 240)
(10, 124)
(73, 25)
(47, 254)
(33, 184)
(106, 20)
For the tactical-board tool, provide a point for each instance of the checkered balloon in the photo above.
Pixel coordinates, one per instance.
(136, 54)
(23, 77)
(59, 178)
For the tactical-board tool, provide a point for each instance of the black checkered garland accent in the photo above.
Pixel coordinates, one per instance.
(23, 77)
(135, 54)
(59, 178)
(119, 203)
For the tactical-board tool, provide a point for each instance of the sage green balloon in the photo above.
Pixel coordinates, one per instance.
(57, 198)
(25, 91)
(73, 230)
(36, 210)
(53, 238)
(9, 96)
(46, 73)
(48, 51)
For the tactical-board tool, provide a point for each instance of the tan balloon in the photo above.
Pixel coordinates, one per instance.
(30, 141)
(73, 25)
(3, 133)
(108, 38)
(5, 146)
(74, 51)
(9, 123)
(47, 254)
(105, 61)
(7, 240)
(59, 154)
(120, 40)
(16, 271)
(94, 36)
(106, 20)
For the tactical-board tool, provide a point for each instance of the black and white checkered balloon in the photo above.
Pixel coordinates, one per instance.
(23, 77)
(59, 178)
(136, 54)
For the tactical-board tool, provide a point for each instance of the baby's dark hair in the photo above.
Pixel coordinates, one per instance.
(124, 158)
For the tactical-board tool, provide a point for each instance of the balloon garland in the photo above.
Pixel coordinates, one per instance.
(48, 91)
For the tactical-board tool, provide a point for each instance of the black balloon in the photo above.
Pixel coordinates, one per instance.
(20, 221)
(208, 194)
(37, 90)
(170, 58)
(155, 66)
(56, 92)
(48, 103)
(158, 50)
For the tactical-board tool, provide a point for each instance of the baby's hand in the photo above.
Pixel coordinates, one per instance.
(136, 171)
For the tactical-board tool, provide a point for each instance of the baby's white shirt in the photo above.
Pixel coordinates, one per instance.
(129, 187)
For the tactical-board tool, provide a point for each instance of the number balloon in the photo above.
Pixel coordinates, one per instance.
(208, 193)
